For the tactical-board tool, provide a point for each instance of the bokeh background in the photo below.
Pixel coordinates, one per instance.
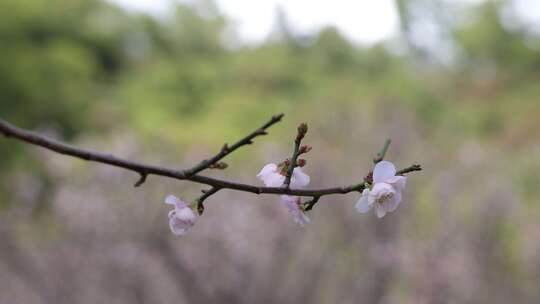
(456, 86)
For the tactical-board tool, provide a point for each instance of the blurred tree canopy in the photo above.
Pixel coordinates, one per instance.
(88, 66)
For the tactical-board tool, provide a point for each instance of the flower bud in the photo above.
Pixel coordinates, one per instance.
(304, 149)
(301, 162)
(219, 166)
(302, 130)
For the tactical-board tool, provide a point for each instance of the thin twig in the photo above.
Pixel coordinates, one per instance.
(226, 150)
(409, 169)
(302, 130)
(382, 153)
(206, 194)
(141, 180)
(309, 204)
(12, 131)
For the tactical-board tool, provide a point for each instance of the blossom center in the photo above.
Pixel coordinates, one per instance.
(384, 197)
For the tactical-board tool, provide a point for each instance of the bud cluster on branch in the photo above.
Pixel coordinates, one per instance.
(381, 189)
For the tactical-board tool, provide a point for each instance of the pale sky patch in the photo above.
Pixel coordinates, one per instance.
(362, 21)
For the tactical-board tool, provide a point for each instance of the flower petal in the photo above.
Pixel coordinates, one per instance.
(379, 209)
(394, 202)
(299, 179)
(181, 220)
(291, 202)
(383, 171)
(274, 180)
(173, 200)
(398, 182)
(187, 215)
(177, 227)
(182, 217)
(301, 218)
(363, 204)
(379, 190)
(268, 169)
(293, 205)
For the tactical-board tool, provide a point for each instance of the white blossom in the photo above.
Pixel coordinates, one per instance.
(385, 195)
(182, 217)
(270, 175)
(293, 205)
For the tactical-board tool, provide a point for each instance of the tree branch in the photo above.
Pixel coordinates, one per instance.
(206, 194)
(141, 180)
(409, 169)
(380, 156)
(309, 204)
(144, 170)
(226, 150)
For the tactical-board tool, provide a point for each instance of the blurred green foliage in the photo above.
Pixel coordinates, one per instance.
(88, 66)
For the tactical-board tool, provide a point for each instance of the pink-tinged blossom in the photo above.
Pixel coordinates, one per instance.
(293, 204)
(182, 218)
(270, 175)
(385, 195)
